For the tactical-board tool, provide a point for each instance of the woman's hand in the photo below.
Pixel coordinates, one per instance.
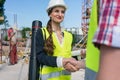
(71, 64)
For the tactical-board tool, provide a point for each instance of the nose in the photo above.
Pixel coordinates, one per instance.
(61, 13)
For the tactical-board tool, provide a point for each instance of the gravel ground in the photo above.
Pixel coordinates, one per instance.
(79, 75)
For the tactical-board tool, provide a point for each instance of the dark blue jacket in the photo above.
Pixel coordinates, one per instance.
(42, 57)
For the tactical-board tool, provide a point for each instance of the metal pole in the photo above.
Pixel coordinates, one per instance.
(33, 61)
(1, 49)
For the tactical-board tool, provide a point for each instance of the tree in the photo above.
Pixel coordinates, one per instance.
(2, 11)
(24, 31)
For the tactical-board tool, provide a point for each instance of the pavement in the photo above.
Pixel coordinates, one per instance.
(19, 71)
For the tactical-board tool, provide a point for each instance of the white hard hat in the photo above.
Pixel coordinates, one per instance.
(54, 3)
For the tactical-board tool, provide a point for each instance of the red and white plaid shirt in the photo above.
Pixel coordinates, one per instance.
(108, 32)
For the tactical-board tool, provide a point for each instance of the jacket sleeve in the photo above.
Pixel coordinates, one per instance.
(42, 57)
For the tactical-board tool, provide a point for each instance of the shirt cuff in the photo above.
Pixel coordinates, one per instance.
(59, 62)
(76, 52)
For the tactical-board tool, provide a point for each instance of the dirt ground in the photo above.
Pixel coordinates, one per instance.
(20, 51)
(20, 70)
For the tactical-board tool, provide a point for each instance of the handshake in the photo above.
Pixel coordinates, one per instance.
(72, 65)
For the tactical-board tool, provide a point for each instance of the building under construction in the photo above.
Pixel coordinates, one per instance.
(86, 10)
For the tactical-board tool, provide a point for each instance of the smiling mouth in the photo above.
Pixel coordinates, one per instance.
(59, 18)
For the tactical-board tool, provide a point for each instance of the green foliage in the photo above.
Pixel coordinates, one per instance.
(2, 10)
(6, 38)
(2, 2)
(24, 31)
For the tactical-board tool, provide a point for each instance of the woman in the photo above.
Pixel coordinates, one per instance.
(55, 57)
(13, 48)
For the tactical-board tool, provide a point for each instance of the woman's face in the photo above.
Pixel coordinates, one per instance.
(57, 14)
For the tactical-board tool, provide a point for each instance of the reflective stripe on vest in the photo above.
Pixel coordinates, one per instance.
(62, 50)
(90, 74)
(54, 74)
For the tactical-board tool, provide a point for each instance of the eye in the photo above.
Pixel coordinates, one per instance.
(63, 11)
(56, 10)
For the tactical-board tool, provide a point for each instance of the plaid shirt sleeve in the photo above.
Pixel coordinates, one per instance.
(109, 24)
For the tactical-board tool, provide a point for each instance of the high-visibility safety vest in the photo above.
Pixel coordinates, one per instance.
(61, 50)
(92, 53)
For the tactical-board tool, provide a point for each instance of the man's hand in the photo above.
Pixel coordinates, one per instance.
(83, 53)
(71, 64)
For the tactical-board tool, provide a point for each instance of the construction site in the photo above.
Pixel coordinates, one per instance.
(20, 70)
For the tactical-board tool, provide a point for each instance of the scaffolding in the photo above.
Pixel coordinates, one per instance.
(86, 9)
(1, 50)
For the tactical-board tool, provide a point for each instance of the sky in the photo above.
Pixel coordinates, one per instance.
(29, 10)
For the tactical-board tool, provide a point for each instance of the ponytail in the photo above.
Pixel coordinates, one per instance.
(49, 46)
